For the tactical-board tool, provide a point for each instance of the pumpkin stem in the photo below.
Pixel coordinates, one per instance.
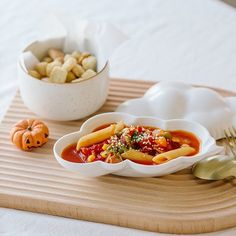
(29, 128)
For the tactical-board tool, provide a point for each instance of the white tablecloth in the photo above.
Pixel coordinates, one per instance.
(192, 41)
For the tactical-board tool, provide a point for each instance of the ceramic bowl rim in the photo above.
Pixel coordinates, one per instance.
(211, 141)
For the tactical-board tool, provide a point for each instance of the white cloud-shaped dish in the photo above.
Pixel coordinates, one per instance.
(127, 167)
(176, 100)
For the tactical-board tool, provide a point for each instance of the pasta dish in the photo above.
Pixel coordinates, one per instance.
(113, 143)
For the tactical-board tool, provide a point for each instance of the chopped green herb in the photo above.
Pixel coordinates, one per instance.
(166, 135)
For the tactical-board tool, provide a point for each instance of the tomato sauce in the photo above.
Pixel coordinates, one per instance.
(186, 138)
(70, 153)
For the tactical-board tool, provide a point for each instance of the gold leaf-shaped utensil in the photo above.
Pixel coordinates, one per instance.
(219, 166)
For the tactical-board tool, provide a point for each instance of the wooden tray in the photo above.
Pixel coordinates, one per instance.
(177, 203)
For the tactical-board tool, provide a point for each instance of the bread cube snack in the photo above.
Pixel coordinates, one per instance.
(50, 66)
(54, 53)
(82, 57)
(58, 67)
(70, 76)
(89, 63)
(76, 55)
(88, 73)
(35, 74)
(47, 59)
(41, 68)
(69, 64)
(58, 75)
(78, 70)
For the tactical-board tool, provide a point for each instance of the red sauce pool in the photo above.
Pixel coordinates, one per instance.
(188, 138)
(70, 153)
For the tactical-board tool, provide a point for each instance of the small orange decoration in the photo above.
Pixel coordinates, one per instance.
(28, 134)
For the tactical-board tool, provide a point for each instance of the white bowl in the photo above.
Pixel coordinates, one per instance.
(176, 100)
(62, 102)
(128, 168)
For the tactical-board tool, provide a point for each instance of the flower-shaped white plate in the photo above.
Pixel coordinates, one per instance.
(127, 167)
(176, 100)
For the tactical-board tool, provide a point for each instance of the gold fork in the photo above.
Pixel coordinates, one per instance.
(219, 166)
(230, 135)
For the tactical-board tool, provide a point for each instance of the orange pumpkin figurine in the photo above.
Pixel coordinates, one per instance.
(28, 134)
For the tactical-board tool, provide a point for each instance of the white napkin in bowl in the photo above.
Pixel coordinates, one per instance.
(70, 34)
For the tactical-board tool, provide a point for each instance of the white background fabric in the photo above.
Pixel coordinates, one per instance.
(191, 41)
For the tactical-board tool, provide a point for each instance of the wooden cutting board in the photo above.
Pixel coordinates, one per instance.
(177, 203)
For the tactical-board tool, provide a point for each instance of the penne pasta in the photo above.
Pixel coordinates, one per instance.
(116, 142)
(119, 126)
(137, 156)
(96, 137)
(167, 156)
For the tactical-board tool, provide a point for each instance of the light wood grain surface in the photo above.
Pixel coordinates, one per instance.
(177, 203)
